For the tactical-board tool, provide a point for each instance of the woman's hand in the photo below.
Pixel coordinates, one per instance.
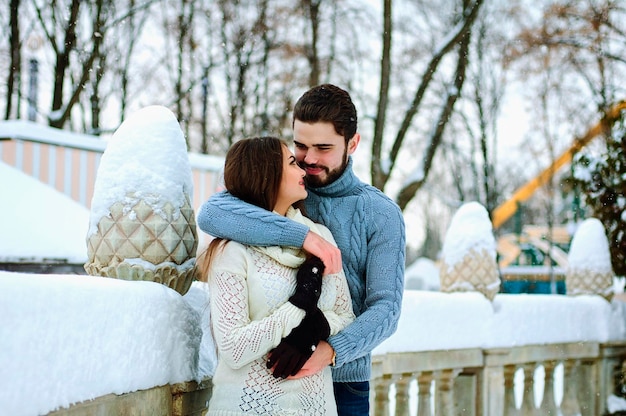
(321, 358)
(297, 347)
(308, 284)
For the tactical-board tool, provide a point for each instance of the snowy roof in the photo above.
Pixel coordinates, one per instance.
(38, 223)
(30, 131)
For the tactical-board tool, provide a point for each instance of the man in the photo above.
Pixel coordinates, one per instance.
(368, 228)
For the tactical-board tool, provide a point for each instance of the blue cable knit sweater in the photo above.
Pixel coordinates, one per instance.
(369, 230)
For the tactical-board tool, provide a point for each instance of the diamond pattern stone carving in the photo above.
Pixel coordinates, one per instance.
(589, 269)
(589, 282)
(167, 240)
(476, 272)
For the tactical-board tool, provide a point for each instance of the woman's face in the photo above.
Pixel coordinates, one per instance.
(292, 187)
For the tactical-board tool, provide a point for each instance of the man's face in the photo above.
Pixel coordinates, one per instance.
(321, 151)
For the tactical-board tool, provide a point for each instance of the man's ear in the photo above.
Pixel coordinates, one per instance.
(353, 143)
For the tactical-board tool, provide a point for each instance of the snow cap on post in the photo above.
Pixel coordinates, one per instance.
(142, 225)
(589, 269)
(468, 259)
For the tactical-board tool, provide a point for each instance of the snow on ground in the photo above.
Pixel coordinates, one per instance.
(37, 222)
(422, 274)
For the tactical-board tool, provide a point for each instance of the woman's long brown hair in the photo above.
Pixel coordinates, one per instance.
(253, 171)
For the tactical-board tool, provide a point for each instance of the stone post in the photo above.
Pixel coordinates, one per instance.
(142, 224)
(469, 253)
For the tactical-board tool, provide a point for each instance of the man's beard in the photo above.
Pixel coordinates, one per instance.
(315, 181)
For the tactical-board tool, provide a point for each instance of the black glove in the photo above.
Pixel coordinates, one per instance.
(297, 347)
(308, 284)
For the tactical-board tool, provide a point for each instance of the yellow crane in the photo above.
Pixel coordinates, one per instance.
(506, 210)
(508, 245)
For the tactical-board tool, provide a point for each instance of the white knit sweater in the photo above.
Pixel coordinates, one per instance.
(250, 314)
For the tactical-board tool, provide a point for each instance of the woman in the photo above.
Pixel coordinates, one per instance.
(269, 307)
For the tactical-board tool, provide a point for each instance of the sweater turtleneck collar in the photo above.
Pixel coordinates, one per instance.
(344, 184)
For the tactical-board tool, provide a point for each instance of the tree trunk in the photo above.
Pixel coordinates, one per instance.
(378, 175)
(469, 15)
(408, 191)
(15, 67)
(62, 65)
(313, 8)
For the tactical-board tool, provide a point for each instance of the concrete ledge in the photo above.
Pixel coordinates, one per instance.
(182, 399)
(191, 398)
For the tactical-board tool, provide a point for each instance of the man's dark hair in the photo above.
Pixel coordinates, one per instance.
(328, 103)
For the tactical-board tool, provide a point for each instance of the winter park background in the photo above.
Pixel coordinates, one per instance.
(73, 338)
(489, 92)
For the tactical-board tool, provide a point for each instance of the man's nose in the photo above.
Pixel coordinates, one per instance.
(309, 157)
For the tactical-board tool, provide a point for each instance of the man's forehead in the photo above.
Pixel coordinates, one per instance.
(315, 142)
(319, 131)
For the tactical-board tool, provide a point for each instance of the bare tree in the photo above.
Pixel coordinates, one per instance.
(458, 39)
(253, 69)
(15, 65)
(586, 44)
(312, 8)
(184, 62)
(239, 40)
(487, 93)
(475, 171)
(130, 24)
(60, 29)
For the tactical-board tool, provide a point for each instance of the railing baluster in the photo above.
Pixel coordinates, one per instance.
(381, 387)
(424, 382)
(492, 383)
(569, 405)
(482, 382)
(402, 394)
(509, 390)
(465, 394)
(587, 385)
(528, 400)
(444, 389)
(548, 406)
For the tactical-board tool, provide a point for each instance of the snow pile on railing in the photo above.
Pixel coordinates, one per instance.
(446, 321)
(466, 318)
(66, 339)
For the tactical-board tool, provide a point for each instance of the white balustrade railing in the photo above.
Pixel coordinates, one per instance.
(482, 381)
(586, 344)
